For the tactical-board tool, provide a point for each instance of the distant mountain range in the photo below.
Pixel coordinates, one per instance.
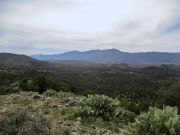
(9, 59)
(98, 56)
(116, 56)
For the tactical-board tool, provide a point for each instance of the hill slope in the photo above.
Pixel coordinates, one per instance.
(53, 110)
(8, 59)
(116, 56)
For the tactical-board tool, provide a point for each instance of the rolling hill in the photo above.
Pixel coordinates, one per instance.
(9, 59)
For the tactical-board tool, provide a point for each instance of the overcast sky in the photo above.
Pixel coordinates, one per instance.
(55, 26)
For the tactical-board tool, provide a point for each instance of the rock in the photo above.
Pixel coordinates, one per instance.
(44, 98)
(66, 100)
(79, 119)
(93, 127)
(37, 97)
(69, 124)
(69, 102)
(83, 131)
(74, 133)
(59, 106)
(78, 123)
(54, 106)
(50, 104)
(102, 132)
(67, 105)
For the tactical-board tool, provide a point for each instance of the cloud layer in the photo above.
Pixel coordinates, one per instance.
(55, 26)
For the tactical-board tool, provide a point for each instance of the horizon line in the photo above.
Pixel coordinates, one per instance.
(93, 50)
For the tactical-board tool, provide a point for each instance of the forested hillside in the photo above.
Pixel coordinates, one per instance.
(17, 60)
(70, 97)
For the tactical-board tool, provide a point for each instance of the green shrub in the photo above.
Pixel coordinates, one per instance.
(50, 93)
(88, 92)
(105, 107)
(157, 122)
(63, 112)
(135, 106)
(63, 95)
(22, 123)
(45, 110)
(66, 131)
(171, 96)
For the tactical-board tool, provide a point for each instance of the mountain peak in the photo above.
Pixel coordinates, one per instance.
(116, 56)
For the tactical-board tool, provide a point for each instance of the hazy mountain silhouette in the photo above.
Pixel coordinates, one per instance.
(116, 56)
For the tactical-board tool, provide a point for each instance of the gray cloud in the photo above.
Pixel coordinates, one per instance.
(55, 26)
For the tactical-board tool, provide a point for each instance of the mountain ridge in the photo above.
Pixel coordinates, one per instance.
(116, 56)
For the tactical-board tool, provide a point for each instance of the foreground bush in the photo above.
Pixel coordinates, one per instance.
(164, 121)
(171, 96)
(135, 106)
(50, 93)
(62, 94)
(22, 123)
(105, 107)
